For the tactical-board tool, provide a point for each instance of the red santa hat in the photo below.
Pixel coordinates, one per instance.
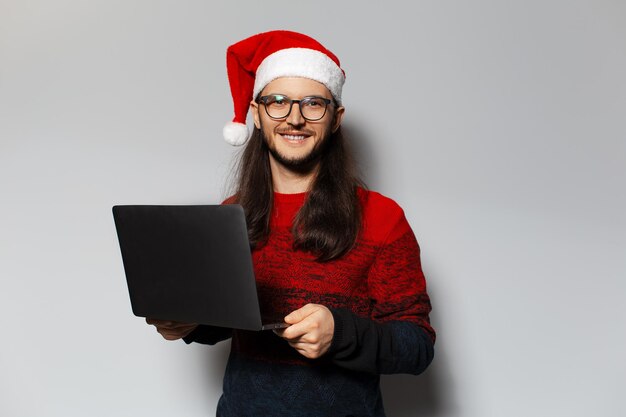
(254, 62)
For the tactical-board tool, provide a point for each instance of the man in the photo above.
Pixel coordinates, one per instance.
(339, 261)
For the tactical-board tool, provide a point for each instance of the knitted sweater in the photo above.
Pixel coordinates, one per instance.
(377, 296)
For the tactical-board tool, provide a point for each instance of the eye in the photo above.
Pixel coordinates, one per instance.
(313, 102)
(277, 100)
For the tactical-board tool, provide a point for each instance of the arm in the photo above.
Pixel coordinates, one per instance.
(397, 337)
(380, 348)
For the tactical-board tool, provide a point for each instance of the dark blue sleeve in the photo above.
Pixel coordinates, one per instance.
(208, 335)
(362, 344)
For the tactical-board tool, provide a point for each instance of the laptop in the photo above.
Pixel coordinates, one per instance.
(191, 264)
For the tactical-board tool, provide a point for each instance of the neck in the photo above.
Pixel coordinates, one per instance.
(287, 181)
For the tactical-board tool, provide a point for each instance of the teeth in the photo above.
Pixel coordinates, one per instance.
(294, 137)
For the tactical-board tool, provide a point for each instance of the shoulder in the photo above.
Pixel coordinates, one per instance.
(375, 201)
(383, 218)
(230, 200)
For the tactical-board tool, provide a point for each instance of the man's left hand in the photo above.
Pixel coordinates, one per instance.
(311, 330)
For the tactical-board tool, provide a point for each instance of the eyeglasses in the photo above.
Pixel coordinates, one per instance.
(278, 106)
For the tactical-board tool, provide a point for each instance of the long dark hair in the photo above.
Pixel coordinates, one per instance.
(328, 223)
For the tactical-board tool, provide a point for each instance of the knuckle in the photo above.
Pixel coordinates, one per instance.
(314, 354)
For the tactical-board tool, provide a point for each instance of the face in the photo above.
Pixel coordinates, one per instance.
(295, 141)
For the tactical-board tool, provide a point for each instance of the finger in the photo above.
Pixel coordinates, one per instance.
(173, 334)
(278, 332)
(159, 322)
(178, 325)
(183, 328)
(308, 351)
(300, 314)
(299, 345)
(294, 332)
(303, 352)
(170, 324)
(170, 336)
(301, 330)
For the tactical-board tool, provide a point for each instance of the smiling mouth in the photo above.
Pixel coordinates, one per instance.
(294, 137)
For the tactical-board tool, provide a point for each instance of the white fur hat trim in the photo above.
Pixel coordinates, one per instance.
(300, 62)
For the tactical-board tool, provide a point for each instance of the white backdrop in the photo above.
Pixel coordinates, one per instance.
(498, 126)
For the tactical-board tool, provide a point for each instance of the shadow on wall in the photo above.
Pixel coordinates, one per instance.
(424, 395)
(360, 144)
(212, 362)
(430, 394)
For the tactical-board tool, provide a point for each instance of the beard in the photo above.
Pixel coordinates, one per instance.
(303, 164)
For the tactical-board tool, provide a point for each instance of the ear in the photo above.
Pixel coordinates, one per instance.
(254, 109)
(339, 112)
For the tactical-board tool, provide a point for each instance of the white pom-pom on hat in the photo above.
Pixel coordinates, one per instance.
(236, 133)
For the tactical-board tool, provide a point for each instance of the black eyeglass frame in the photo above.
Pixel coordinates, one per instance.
(263, 100)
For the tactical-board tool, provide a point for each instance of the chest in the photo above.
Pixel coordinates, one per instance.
(280, 268)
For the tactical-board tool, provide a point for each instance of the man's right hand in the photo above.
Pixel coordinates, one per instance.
(172, 330)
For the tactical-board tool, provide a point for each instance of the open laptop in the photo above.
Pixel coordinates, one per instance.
(191, 264)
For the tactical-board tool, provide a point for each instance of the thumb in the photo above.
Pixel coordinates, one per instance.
(300, 314)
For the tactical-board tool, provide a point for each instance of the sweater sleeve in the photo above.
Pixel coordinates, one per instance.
(208, 335)
(397, 336)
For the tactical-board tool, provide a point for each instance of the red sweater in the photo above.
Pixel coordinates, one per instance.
(377, 295)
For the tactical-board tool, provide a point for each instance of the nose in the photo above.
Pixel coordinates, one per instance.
(295, 115)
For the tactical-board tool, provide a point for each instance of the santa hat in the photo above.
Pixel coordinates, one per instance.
(256, 61)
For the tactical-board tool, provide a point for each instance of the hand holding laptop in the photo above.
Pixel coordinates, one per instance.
(172, 330)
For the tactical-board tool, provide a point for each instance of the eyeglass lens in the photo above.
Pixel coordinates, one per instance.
(311, 108)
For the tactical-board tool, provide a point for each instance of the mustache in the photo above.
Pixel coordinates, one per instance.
(295, 131)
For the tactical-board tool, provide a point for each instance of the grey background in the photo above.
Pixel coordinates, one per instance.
(498, 126)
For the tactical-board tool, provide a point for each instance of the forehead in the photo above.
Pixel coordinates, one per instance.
(295, 87)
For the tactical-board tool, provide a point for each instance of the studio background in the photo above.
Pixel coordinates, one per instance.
(498, 126)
